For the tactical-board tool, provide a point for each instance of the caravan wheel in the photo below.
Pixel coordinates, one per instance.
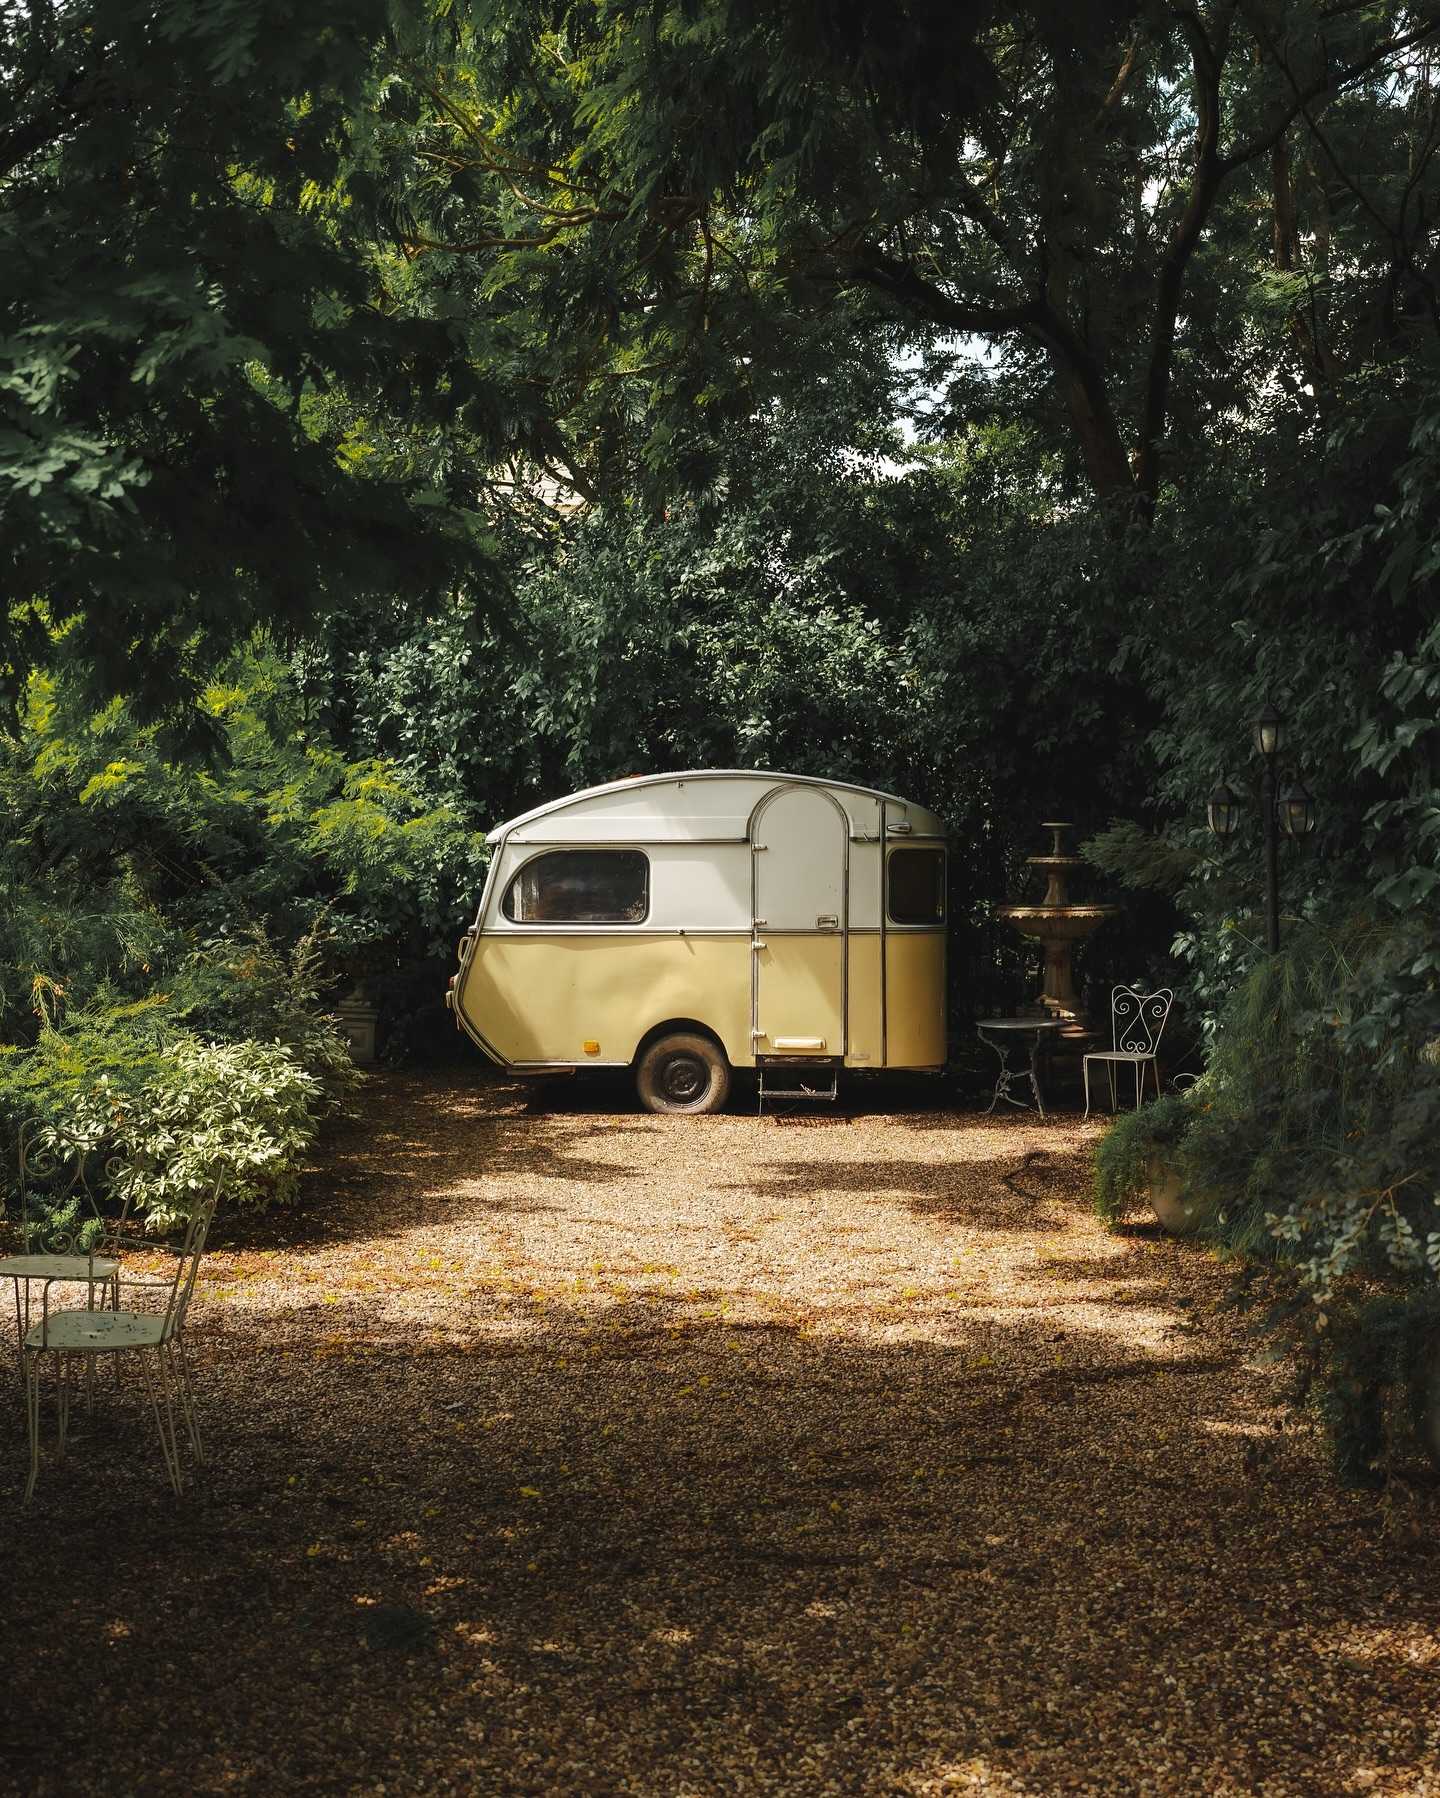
(683, 1073)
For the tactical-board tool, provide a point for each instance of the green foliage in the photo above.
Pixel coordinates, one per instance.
(1137, 1146)
(1373, 1362)
(1316, 1135)
(171, 1110)
(240, 1114)
(1140, 859)
(183, 274)
(189, 879)
(176, 933)
(248, 990)
(1136, 208)
(123, 1044)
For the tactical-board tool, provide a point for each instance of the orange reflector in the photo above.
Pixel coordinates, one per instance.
(591, 1048)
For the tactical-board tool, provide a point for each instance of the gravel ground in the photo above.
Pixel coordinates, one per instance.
(562, 1449)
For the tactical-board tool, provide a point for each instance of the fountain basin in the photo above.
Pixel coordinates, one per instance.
(1056, 924)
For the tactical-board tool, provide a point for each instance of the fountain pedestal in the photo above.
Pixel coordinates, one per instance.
(1057, 926)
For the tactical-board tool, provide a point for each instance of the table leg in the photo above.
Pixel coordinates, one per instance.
(1008, 1076)
(1035, 1074)
(1003, 1078)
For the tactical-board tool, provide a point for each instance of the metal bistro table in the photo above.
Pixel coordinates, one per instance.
(1000, 1033)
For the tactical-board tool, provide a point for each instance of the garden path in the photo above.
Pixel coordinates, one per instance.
(561, 1449)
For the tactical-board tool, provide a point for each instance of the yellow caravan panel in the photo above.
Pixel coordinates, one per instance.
(866, 1023)
(539, 998)
(800, 984)
(914, 1021)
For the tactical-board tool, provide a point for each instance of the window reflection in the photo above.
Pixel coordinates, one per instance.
(581, 886)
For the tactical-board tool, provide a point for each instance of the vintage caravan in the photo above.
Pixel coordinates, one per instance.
(686, 924)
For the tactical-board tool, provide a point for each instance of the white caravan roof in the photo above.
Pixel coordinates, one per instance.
(699, 805)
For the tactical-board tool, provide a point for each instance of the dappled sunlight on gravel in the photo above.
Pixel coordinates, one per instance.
(562, 1449)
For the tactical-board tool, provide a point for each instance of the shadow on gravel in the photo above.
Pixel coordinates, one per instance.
(556, 1544)
(611, 1092)
(615, 1555)
(406, 1164)
(940, 1194)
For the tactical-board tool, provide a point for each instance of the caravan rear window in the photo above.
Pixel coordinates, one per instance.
(580, 886)
(917, 886)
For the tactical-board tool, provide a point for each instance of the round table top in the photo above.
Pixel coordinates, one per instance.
(1020, 1024)
(57, 1267)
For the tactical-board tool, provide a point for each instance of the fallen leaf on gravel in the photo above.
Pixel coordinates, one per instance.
(856, 1569)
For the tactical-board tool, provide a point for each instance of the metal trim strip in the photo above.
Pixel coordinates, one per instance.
(624, 933)
(621, 932)
(680, 776)
(569, 1067)
(637, 842)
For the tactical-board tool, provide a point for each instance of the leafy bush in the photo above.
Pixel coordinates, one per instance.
(1316, 1128)
(1129, 1150)
(242, 1114)
(244, 988)
(247, 885)
(1322, 1132)
(1371, 1364)
(178, 1109)
(120, 1044)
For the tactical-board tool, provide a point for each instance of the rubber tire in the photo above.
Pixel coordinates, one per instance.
(663, 1085)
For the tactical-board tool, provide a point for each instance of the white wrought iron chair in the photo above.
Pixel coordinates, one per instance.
(155, 1336)
(63, 1235)
(1137, 1022)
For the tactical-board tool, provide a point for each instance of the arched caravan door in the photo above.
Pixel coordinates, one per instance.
(799, 839)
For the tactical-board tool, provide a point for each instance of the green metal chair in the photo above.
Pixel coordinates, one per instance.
(154, 1335)
(63, 1236)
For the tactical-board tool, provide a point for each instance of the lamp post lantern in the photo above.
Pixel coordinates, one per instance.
(1269, 728)
(1223, 811)
(1297, 810)
(1292, 811)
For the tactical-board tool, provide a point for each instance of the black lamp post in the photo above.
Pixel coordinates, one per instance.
(1291, 811)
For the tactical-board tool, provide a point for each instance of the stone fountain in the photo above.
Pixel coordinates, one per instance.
(1057, 926)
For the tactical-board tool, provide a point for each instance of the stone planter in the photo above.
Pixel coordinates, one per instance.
(358, 1018)
(1179, 1212)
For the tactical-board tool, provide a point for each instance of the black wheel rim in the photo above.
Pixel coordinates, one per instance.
(683, 1078)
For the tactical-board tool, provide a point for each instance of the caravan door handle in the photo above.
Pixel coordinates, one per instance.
(827, 921)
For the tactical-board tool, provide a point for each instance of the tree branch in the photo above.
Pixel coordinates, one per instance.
(1320, 88)
(70, 104)
(978, 208)
(1081, 377)
(903, 282)
(1134, 56)
(1207, 60)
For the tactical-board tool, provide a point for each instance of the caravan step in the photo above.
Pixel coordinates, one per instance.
(803, 1081)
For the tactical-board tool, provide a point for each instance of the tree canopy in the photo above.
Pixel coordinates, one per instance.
(185, 291)
(1147, 212)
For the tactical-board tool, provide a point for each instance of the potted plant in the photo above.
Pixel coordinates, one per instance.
(1140, 1161)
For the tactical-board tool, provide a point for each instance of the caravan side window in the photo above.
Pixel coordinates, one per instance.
(917, 886)
(580, 886)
